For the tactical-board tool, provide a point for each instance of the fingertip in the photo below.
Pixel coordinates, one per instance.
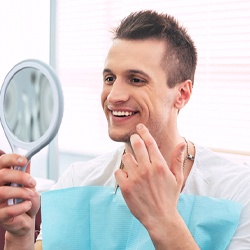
(139, 126)
(182, 148)
(120, 173)
(29, 204)
(32, 182)
(116, 173)
(20, 159)
(178, 153)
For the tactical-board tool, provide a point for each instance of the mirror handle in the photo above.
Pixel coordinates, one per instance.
(16, 200)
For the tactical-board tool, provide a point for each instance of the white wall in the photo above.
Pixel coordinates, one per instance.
(25, 33)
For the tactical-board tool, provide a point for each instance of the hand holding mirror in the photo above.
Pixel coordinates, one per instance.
(31, 108)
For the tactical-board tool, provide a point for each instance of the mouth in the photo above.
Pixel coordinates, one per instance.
(122, 113)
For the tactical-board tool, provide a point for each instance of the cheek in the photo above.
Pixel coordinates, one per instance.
(104, 96)
(162, 105)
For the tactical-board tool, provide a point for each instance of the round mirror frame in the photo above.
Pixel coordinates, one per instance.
(33, 147)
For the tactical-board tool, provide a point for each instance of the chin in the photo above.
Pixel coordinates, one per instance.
(124, 138)
(120, 137)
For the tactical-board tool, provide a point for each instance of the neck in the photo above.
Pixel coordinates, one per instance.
(167, 149)
(165, 146)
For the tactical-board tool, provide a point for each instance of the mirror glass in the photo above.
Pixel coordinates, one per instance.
(28, 104)
(31, 106)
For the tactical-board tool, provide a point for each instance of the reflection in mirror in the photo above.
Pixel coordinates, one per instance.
(28, 107)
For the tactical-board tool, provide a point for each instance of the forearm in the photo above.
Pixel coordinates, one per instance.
(172, 233)
(24, 242)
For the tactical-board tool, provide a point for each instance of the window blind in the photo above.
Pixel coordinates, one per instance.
(218, 115)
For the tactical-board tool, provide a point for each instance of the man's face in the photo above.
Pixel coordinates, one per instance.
(135, 89)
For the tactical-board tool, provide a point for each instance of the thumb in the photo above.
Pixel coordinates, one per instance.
(177, 161)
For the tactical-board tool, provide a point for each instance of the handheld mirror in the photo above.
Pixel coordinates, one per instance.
(31, 108)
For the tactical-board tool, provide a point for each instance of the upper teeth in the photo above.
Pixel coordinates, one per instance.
(122, 113)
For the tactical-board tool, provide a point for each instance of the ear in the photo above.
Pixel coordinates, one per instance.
(184, 92)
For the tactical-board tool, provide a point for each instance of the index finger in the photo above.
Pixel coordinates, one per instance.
(150, 143)
(9, 160)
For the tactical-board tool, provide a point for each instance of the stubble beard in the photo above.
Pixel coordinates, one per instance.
(121, 137)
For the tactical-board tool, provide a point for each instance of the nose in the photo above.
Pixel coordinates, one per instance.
(118, 92)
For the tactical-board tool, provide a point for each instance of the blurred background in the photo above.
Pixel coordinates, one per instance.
(73, 36)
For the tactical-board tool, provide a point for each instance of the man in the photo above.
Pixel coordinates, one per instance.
(147, 79)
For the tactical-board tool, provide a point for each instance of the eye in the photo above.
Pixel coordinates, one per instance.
(109, 79)
(137, 81)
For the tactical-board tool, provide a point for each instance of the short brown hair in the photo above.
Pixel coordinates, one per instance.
(181, 55)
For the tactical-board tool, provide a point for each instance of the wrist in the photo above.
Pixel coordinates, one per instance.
(24, 241)
(164, 226)
(171, 232)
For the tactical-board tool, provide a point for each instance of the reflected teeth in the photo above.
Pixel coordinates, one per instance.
(121, 113)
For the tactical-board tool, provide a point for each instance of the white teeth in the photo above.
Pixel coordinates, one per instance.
(121, 113)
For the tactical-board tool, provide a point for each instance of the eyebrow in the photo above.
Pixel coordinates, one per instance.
(129, 71)
(137, 71)
(106, 71)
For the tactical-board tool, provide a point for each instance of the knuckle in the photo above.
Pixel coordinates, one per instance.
(160, 166)
(3, 173)
(150, 142)
(126, 189)
(2, 160)
(145, 173)
(5, 161)
(137, 144)
(4, 192)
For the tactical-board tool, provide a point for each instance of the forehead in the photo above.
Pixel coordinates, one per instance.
(145, 55)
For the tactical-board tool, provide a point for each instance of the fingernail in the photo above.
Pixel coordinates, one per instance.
(31, 192)
(183, 148)
(139, 126)
(20, 160)
(29, 203)
(32, 182)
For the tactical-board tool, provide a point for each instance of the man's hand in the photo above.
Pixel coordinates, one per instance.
(18, 220)
(151, 190)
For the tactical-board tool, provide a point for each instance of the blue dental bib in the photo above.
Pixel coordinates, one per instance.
(93, 218)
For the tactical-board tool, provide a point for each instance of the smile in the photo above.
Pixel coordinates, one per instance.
(122, 113)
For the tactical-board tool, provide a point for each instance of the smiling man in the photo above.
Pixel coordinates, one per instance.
(136, 91)
(147, 79)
